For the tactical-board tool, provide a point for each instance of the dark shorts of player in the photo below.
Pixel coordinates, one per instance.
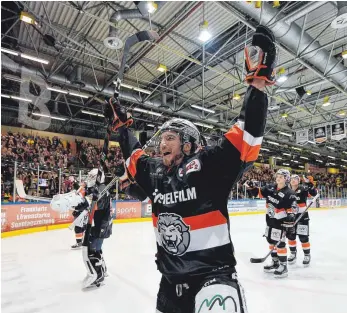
(274, 234)
(201, 294)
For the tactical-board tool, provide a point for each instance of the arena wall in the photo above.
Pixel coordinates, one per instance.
(24, 218)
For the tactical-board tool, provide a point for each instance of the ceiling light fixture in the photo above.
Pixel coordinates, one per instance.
(332, 163)
(202, 109)
(342, 113)
(286, 164)
(79, 95)
(27, 18)
(279, 158)
(326, 101)
(273, 143)
(285, 134)
(331, 157)
(152, 7)
(320, 161)
(236, 96)
(301, 166)
(331, 148)
(302, 157)
(203, 125)
(135, 88)
(343, 160)
(57, 90)
(151, 125)
(204, 34)
(287, 154)
(146, 111)
(309, 92)
(295, 148)
(264, 149)
(282, 76)
(316, 153)
(92, 113)
(32, 58)
(16, 98)
(344, 54)
(25, 56)
(52, 117)
(9, 51)
(284, 115)
(312, 142)
(295, 161)
(161, 68)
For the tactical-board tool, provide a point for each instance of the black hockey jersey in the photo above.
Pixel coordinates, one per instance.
(189, 201)
(279, 202)
(301, 195)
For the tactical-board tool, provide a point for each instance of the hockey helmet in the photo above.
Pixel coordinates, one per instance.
(285, 173)
(187, 130)
(91, 179)
(295, 176)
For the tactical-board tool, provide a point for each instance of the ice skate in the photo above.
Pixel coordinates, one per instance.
(307, 260)
(292, 258)
(76, 245)
(272, 266)
(281, 271)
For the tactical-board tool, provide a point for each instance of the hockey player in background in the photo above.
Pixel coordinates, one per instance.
(280, 217)
(302, 192)
(78, 210)
(189, 191)
(101, 229)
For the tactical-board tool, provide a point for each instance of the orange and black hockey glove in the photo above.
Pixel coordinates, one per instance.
(119, 114)
(260, 57)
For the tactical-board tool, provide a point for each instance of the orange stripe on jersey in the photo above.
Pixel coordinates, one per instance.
(301, 205)
(78, 236)
(249, 153)
(305, 245)
(260, 194)
(244, 142)
(132, 161)
(271, 247)
(200, 221)
(289, 210)
(235, 136)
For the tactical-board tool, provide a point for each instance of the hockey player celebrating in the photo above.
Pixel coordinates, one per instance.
(280, 216)
(102, 229)
(189, 191)
(302, 191)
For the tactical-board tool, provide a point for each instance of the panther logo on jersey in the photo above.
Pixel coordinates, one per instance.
(174, 233)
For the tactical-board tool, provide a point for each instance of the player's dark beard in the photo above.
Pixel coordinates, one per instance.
(176, 158)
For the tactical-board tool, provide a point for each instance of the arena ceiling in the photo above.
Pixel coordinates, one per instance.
(70, 36)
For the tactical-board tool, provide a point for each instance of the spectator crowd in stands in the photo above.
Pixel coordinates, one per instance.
(50, 155)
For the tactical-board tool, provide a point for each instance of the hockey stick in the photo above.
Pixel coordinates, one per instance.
(129, 43)
(23, 195)
(261, 260)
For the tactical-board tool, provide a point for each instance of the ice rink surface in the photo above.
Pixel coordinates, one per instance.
(40, 273)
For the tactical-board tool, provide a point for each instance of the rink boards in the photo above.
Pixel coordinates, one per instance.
(24, 218)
